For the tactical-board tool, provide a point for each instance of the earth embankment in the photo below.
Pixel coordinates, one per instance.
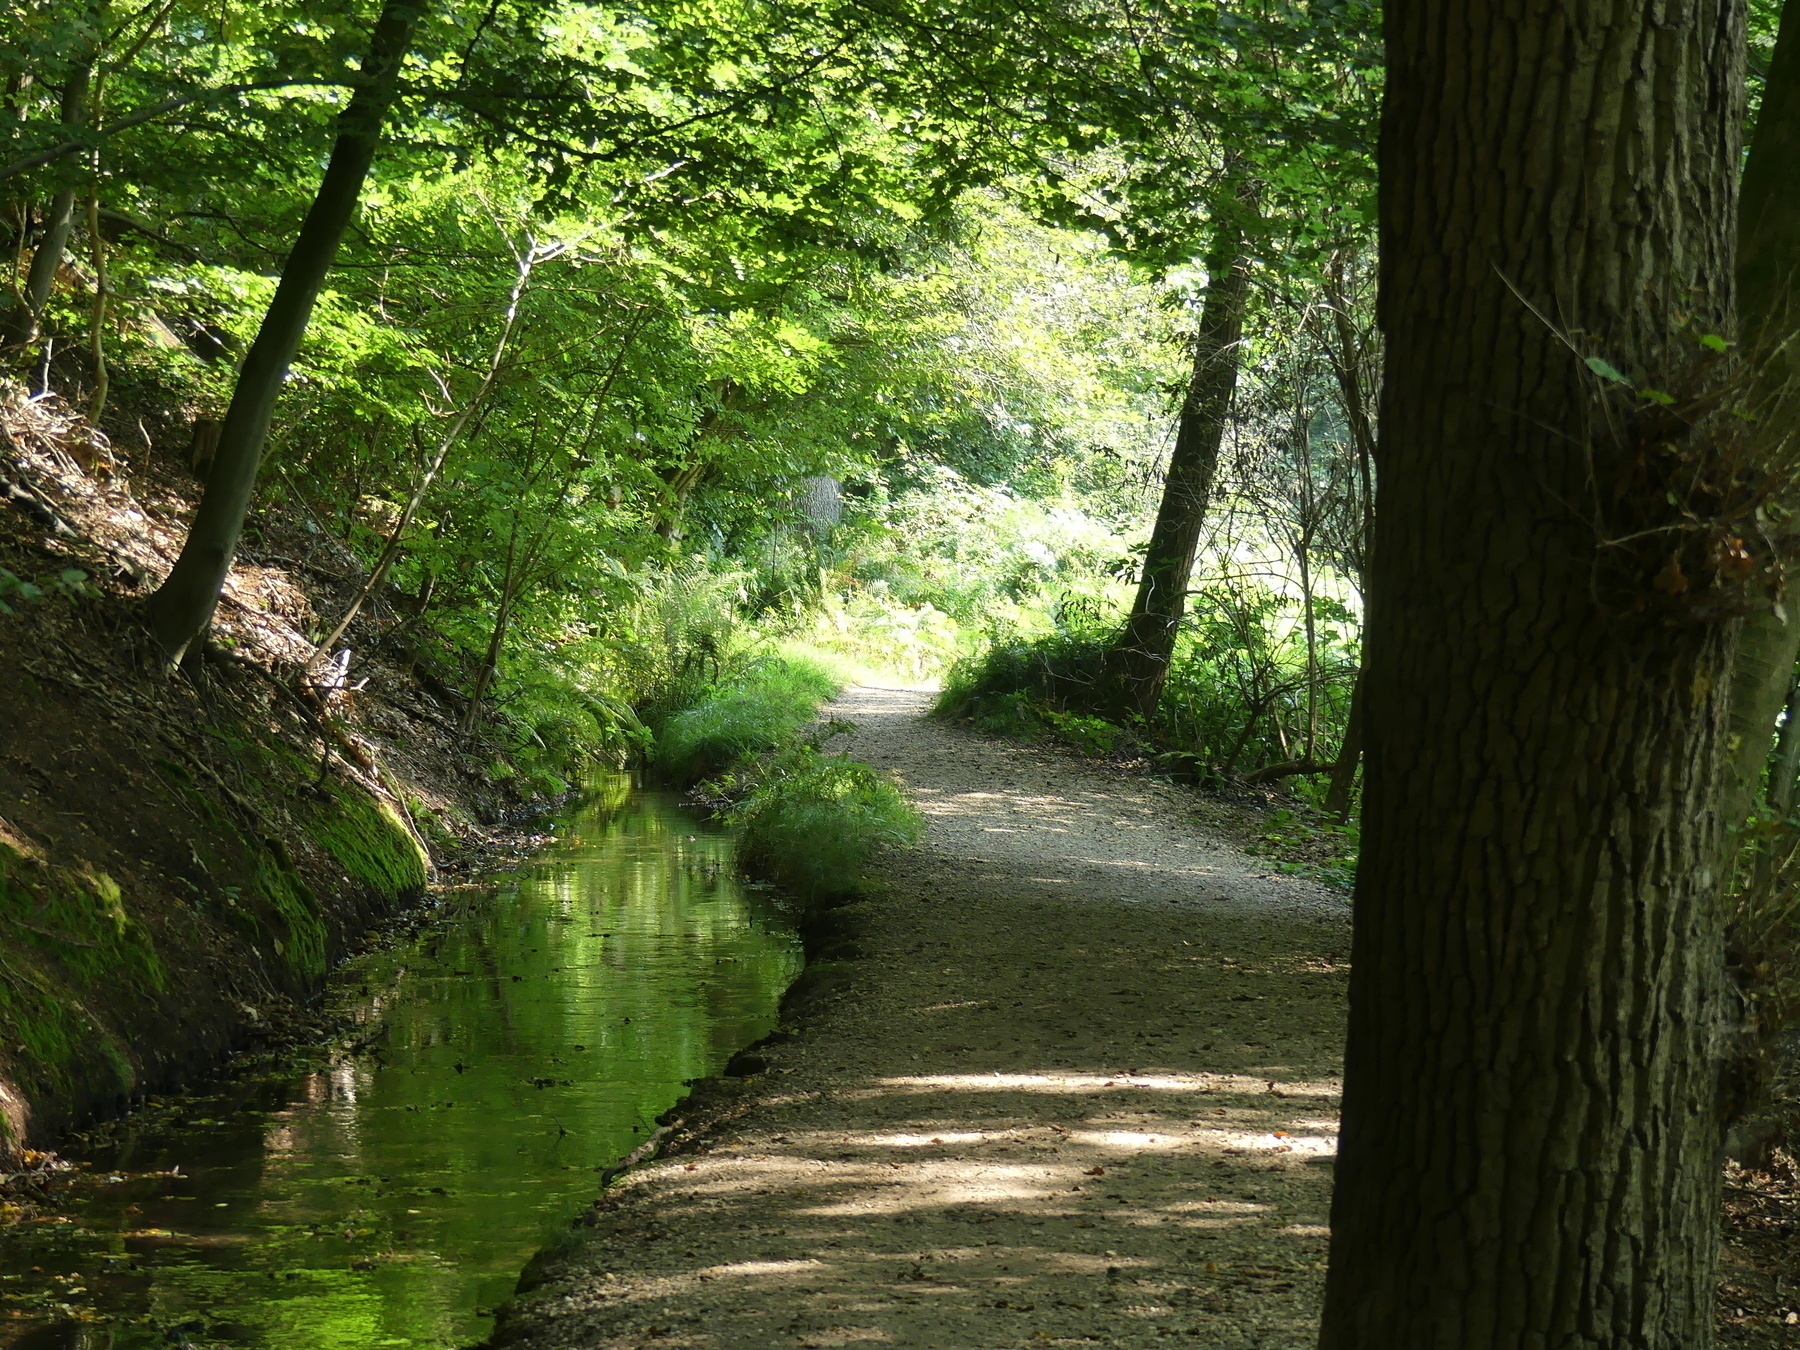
(184, 857)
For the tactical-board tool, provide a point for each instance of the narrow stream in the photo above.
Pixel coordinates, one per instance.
(390, 1197)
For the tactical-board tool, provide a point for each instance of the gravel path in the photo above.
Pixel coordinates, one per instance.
(1077, 1089)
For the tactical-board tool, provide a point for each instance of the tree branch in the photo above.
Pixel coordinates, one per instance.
(150, 114)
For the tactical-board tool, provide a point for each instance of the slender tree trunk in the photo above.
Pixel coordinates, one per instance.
(1306, 526)
(521, 571)
(1769, 298)
(183, 606)
(712, 424)
(25, 324)
(490, 661)
(1312, 653)
(1343, 772)
(1784, 774)
(1346, 352)
(97, 335)
(17, 209)
(1138, 661)
(390, 550)
(1254, 711)
(1531, 1119)
(682, 482)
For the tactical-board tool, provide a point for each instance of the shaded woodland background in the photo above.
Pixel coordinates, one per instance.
(632, 377)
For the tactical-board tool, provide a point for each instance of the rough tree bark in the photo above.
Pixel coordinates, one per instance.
(1531, 1128)
(1138, 661)
(183, 606)
(1769, 306)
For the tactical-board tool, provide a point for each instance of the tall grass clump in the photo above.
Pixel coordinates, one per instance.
(811, 822)
(759, 704)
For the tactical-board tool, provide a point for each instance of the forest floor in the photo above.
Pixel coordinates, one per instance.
(1080, 1089)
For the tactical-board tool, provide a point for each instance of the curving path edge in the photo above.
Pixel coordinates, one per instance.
(1078, 1089)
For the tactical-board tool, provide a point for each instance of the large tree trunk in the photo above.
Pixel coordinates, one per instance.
(183, 606)
(1769, 305)
(1138, 661)
(1531, 1123)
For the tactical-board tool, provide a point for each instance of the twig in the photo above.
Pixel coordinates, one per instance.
(644, 1152)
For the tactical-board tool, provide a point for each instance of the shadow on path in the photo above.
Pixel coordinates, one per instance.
(1080, 1090)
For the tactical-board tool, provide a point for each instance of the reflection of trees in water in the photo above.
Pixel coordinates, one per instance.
(453, 1154)
(668, 973)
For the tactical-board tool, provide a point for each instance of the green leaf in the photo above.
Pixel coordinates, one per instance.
(1713, 342)
(1658, 396)
(1606, 370)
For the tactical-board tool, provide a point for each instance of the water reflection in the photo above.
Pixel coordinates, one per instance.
(390, 1198)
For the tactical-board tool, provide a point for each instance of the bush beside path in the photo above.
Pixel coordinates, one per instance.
(1077, 1087)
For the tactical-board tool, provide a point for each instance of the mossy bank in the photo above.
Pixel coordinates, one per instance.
(184, 857)
(172, 876)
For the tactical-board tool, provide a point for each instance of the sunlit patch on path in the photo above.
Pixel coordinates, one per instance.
(1082, 1092)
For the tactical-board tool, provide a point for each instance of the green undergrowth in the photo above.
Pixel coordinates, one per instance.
(1302, 842)
(811, 821)
(807, 820)
(757, 708)
(1028, 688)
(1037, 689)
(1213, 725)
(1242, 692)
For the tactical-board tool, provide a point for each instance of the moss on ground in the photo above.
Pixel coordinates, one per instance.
(302, 942)
(63, 930)
(76, 916)
(97, 974)
(370, 842)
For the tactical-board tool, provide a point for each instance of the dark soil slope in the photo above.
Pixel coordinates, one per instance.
(180, 859)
